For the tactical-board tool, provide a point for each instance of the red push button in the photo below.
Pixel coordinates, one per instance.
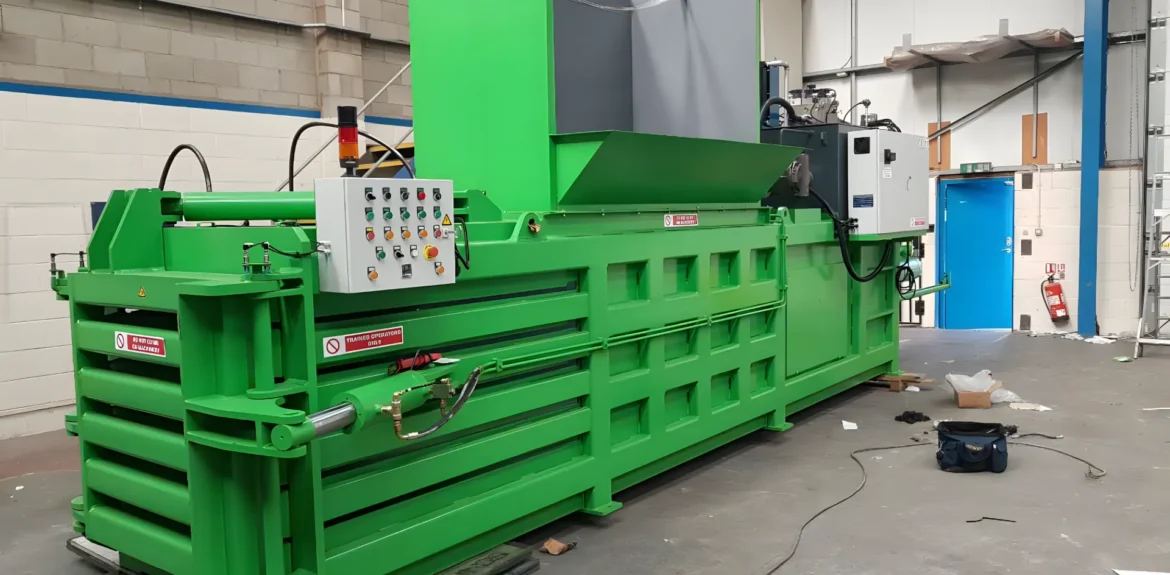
(422, 195)
(430, 252)
(370, 234)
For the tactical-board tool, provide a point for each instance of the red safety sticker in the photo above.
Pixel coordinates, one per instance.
(917, 222)
(364, 341)
(681, 220)
(144, 344)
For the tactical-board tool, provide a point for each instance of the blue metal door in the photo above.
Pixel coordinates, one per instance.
(975, 222)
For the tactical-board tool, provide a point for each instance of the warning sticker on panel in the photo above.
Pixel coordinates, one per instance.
(364, 341)
(144, 344)
(887, 173)
(917, 222)
(681, 220)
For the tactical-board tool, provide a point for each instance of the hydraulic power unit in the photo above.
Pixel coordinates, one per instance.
(400, 374)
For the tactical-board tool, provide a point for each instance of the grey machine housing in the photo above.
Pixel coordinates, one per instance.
(888, 174)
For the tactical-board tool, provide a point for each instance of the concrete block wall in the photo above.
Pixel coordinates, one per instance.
(236, 87)
(1052, 205)
(157, 49)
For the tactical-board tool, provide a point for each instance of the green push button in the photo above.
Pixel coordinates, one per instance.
(381, 254)
(422, 214)
(405, 214)
(438, 212)
(369, 215)
(387, 213)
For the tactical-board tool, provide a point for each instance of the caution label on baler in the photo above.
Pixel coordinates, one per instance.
(144, 344)
(680, 220)
(364, 341)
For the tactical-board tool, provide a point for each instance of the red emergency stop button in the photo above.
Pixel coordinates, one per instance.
(430, 252)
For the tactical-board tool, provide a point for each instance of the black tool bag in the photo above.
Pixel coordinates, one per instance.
(965, 446)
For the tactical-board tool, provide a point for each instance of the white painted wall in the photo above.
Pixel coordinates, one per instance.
(782, 36)
(58, 154)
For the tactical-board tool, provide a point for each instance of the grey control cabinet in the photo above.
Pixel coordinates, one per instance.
(385, 234)
(888, 182)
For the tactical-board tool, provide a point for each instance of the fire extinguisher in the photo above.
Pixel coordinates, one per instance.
(1053, 296)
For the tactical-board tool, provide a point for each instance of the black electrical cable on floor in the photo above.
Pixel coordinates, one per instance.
(162, 179)
(776, 563)
(292, 153)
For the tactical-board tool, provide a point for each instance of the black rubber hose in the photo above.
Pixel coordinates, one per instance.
(292, 153)
(842, 229)
(788, 109)
(162, 179)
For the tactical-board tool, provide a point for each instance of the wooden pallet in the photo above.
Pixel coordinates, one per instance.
(902, 381)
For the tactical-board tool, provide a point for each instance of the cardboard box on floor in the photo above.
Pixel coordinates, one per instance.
(976, 399)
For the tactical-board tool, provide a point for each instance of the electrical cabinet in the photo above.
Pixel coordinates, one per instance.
(888, 177)
(385, 234)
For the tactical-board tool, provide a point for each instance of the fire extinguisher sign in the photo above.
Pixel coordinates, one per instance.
(1051, 269)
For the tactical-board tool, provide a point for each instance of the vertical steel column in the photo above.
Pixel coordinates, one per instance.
(1092, 157)
(853, 99)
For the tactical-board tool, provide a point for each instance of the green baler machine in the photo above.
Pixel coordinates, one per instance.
(625, 305)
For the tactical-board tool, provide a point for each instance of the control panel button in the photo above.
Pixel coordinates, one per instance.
(404, 194)
(370, 194)
(405, 232)
(438, 232)
(430, 252)
(386, 195)
(370, 234)
(371, 273)
(369, 214)
(437, 194)
(388, 233)
(439, 269)
(422, 214)
(380, 253)
(422, 231)
(387, 214)
(421, 194)
(398, 253)
(438, 212)
(404, 213)
(413, 251)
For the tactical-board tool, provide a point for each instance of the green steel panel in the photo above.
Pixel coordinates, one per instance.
(513, 78)
(140, 489)
(818, 323)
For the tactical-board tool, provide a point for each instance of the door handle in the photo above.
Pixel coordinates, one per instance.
(1006, 250)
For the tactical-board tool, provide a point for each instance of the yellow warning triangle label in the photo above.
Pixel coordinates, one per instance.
(446, 220)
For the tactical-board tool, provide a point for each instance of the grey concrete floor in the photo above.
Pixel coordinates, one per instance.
(735, 509)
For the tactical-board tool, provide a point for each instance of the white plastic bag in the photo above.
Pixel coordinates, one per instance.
(981, 381)
(1004, 396)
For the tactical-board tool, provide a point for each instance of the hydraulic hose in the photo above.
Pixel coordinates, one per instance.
(789, 111)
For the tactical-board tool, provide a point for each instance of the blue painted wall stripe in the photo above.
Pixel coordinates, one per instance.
(1092, 158)
(67, 92)
(389, 121)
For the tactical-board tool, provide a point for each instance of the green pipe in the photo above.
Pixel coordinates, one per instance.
(205, 207)
(942, 285)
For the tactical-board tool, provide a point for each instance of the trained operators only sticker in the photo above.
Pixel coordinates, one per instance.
(364, 341)
(681, 220)
(144, 344)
